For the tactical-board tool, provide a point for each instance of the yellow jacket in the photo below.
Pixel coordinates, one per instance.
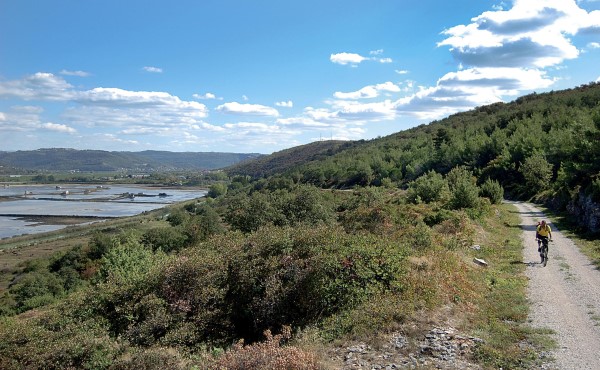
(544, 231)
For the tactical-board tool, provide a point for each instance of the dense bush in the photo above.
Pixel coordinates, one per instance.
(464, 192)
(430, 187)
(492, 190)
(166, 239)
(269, 354)
(305, 204)
(295, 276)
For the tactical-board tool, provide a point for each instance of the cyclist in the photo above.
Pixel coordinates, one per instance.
(543, 232)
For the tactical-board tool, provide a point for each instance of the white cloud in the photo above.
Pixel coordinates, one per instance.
(594, 45)
(352, 111)
(115, 139)
(39, 86)
(118, 97)
(248, 109)
(463, 90)
(207, 96)
(401, 71)
(74, 73)
(285, 104)
(99, 107)
(153, 69)
(366, 92)
(260, 134)
(532, 34)
(27, 118)
(58, 127)
(347, 58)
(354, 59)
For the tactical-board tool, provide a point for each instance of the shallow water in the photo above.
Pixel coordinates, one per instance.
(81, 200)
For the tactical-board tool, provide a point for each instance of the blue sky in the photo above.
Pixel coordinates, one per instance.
(265, 75)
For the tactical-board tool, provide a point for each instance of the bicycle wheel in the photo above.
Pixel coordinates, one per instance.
(545, 256)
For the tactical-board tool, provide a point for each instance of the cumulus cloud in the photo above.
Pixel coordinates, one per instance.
(347, 58)
(594, 45)
(463, 90)
(532, 34)
(108, 107)
(27, 118)
(207, 96)
(503, 53)
(153, 69)
(354, 59)
(39, 86)
(366, 92)
(401, 71)
(58, 127)
(285, 104)
(247, 109)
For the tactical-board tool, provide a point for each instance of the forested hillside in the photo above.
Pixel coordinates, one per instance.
(58, 159)
(545, 146)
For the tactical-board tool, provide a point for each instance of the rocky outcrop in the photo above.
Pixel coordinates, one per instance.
(439, 348)
(586, 210)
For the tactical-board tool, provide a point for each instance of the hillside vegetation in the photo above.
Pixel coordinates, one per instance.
(58, 159)
(352, 242)
(545, 146)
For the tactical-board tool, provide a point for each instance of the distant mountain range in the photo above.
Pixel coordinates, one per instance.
(60, 159)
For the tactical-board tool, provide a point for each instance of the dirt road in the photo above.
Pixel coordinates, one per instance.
(564, 295)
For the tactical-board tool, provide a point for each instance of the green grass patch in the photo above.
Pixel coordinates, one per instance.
(501, 320)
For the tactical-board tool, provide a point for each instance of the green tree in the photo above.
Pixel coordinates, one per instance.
(464, 192)
(537, 172)
(217, 190)
(492, 190)
(430, 187)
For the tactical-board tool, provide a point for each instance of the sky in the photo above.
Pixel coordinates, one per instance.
(265, 75)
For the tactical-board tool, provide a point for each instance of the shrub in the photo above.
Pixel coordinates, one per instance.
(266, 355)
(464, 192)
(154, 358)
(492, 190)
(194, 287)
(419, 237)
(249, 213)
(166, 239)
(217, 190)
(297, 276)
(430, 187)
(36, 289)
(52, 341)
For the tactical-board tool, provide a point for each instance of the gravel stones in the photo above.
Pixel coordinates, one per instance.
(439, 348)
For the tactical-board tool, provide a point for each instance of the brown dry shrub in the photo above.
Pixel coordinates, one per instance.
(267, 355)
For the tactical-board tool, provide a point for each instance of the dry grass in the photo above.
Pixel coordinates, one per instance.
(267, 355)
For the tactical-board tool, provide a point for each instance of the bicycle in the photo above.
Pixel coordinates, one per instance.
(544, 250)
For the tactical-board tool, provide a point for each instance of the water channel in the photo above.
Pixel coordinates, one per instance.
(22, 207)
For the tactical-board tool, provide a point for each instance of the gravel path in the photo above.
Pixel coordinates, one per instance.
(564, 295)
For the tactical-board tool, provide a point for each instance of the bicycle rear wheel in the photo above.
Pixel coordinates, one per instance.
(545, 255)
